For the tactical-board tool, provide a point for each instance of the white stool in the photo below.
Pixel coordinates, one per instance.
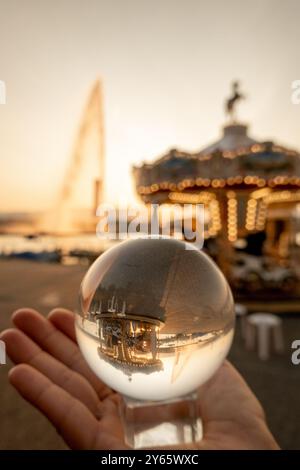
(241, 312)
(261, 328)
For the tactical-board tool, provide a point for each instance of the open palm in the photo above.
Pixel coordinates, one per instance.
(52, 374)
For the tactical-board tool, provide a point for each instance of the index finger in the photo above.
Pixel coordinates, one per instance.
(76, 424)
(56, 343)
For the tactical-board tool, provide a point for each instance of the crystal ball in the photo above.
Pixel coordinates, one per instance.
(156, 318)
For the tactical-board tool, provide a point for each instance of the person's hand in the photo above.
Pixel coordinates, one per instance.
(53, 376)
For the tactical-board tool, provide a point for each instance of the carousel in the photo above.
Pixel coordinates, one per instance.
(127, 339)
(248, 187)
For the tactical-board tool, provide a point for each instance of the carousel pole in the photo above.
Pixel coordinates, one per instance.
(225, 250)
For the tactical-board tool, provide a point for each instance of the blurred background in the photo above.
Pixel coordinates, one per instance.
(132, 103)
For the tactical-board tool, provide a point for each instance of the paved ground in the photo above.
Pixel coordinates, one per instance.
(44, 286)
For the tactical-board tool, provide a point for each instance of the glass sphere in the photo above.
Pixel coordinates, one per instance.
(156, 318)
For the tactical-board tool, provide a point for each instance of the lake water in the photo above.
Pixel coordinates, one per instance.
(85, 242)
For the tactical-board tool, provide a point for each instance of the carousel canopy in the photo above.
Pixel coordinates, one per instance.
(234, 136)
(234, 160)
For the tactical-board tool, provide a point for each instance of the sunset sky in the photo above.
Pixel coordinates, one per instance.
(166, 67)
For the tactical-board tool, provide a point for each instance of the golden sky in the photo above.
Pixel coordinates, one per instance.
(166, 67)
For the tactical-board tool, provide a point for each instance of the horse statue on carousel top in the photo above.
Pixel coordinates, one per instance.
(230, 104)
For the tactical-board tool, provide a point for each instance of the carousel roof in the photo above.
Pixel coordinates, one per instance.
(234, 159)
(234, 136)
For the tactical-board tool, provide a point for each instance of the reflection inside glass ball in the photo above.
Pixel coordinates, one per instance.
(156, 318)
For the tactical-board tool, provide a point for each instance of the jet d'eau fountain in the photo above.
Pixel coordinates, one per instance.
(68, 227)
(83, 184)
